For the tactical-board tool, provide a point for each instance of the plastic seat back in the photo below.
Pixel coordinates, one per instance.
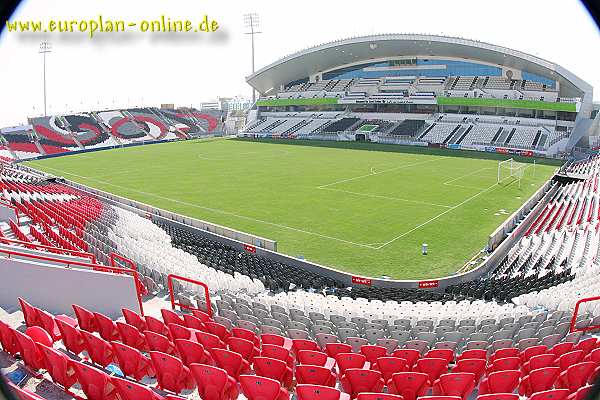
(433, 367)
(99, 350)
(209, 341)
(158, 342)
(128, 390)
(473, 365)
(171, 374)
(59, 366)
(315, 375)
(95, 383)
(29, 351)
(277, 352)
(409, 385)
(132, 362)
(577, 375)
(171, 317)
(570, 358)
(304, 344)
(71, 337)
(459, 384)
(8, 339)
(106, 327)
(388, 366)
(355, 381)
(134, 319)
(131, 336)
(539, 380)
(193, 322)
(192, 352)
(506, 363)
(554, 394)
(473, 354)
(373, 352)
(274, 369)
(317, 392)
(410, 355)
(312, 357)
(85, 319)
(214, 383)
(333, 349)
(261, 388)
(230, 361)
(30, 313)
(349, 360)
(244, 347)
(446, 354)
(246, 334)
(157, 326)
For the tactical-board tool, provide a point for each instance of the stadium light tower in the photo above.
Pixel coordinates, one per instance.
(252, 23)
(45, 48)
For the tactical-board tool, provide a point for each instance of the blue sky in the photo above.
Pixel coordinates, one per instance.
(185, 69)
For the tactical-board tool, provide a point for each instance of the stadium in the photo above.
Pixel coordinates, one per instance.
(401, 217)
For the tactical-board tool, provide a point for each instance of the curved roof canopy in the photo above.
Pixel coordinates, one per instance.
(327, 56)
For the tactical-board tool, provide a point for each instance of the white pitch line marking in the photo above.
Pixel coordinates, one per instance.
(436, 217)
(218, 211)
(384, 197)
(465, 175)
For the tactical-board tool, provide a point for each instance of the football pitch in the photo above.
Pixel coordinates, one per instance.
(359, 207)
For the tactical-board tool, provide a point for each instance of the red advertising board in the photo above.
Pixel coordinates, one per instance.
(361, 281)
(428, 284)
(527, 153)
(501, 150)
(249, 248)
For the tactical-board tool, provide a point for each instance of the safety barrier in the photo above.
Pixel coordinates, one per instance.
(113, 262)
(574, 319)
(172, 277)
(37, 246)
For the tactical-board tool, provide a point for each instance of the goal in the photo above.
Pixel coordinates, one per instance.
(510, 170)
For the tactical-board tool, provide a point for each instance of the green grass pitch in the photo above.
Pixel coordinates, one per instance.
(359, 207)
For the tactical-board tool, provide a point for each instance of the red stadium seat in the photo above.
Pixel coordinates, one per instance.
(85, 319)
(446, 354)
(59, 366)
(244, 347)
(106, 327)
(498, 396)
(474, 365)
(333, 349)
(378, 396)
(158, 342)
(171, 374)
(277, 352)
(48, 322)
(576, 376)
(274, 369)
(587, 345)
(388, 366)
(315, 375)
(532, 351)
(373, 352)
(214, 383)
(439, 398)
(39, 335)
(503, 353)
(317, 392)
(246, 334)
(500, 382)
(181, 332)
(192, 322)
(192, 352)
(581, 393)
(570, 358)
(71, 337)
(409, 385)
(134, 319)
(30, 313)
(231, 362)
(132, 362)
(355, 381)
(459, 384)
(128, 390)
(98, 349)
(310, 357)
(504, 364)
(410, 355)
(8, 339)
(28, 349)
(95, 384)
(261, 388)
(554, 394)
(433, 367)
(218, 330)
(473, 354)
(171, 317)
(594, 356)
(350, 360)
(208, 340)
(157, 326)
(304, 344)
(561, 348)
(270, 338)
(539, 380)
(131, 336)
(540, 361)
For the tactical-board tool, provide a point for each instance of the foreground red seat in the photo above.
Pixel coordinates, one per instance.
(131, 336)
(505, 363)
(244, 347)
(157, 326)
(459, 384)
(171, 317)
(98, 349)
(315, 375)
(8, 339)
(378, 396)
(410, 355)
(158, 342)
(473, 365)
(539, 361)
(409, 385)
(214, 383)
(134, 319)
(278, 352)
(192, 352)
(503, 353)
(555, 394)
(71, 337)
(433, 367)
(171, 374)
(208, 340)
(231, 362)
(373, 352)
(570, 358)
(85, 319)
(446, 354)
(261, 388)
(106, 327)
(561, 348)
(356, 380)
(473, 354)
(217, 329)
(587, 345)
(128, 390)
(59, 366)
(310, 357)
(304, 344)
(388, 366)
(246, 334)
(576, 376)
(95, 384)
(539, 380)
(30, 313)
(270, 338)
(316, 392)
(500, 382)
(274, 369)
(29, 351)
(333, 349)
(581, 393)
(498, 396)
(532, 351)
(192, 322)
(132, 362)
(350, 360)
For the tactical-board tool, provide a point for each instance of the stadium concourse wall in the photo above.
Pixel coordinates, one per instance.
(503, 238)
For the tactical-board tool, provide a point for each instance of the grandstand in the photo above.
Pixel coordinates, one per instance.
(541, 108)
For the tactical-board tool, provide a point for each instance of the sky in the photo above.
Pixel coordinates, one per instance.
(135, 68)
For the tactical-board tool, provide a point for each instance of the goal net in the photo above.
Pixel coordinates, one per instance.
(510, 170)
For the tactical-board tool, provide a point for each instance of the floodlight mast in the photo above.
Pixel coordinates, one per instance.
(45, 48)
(252, 23)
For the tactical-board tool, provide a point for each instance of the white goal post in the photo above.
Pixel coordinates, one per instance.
(511, 169)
